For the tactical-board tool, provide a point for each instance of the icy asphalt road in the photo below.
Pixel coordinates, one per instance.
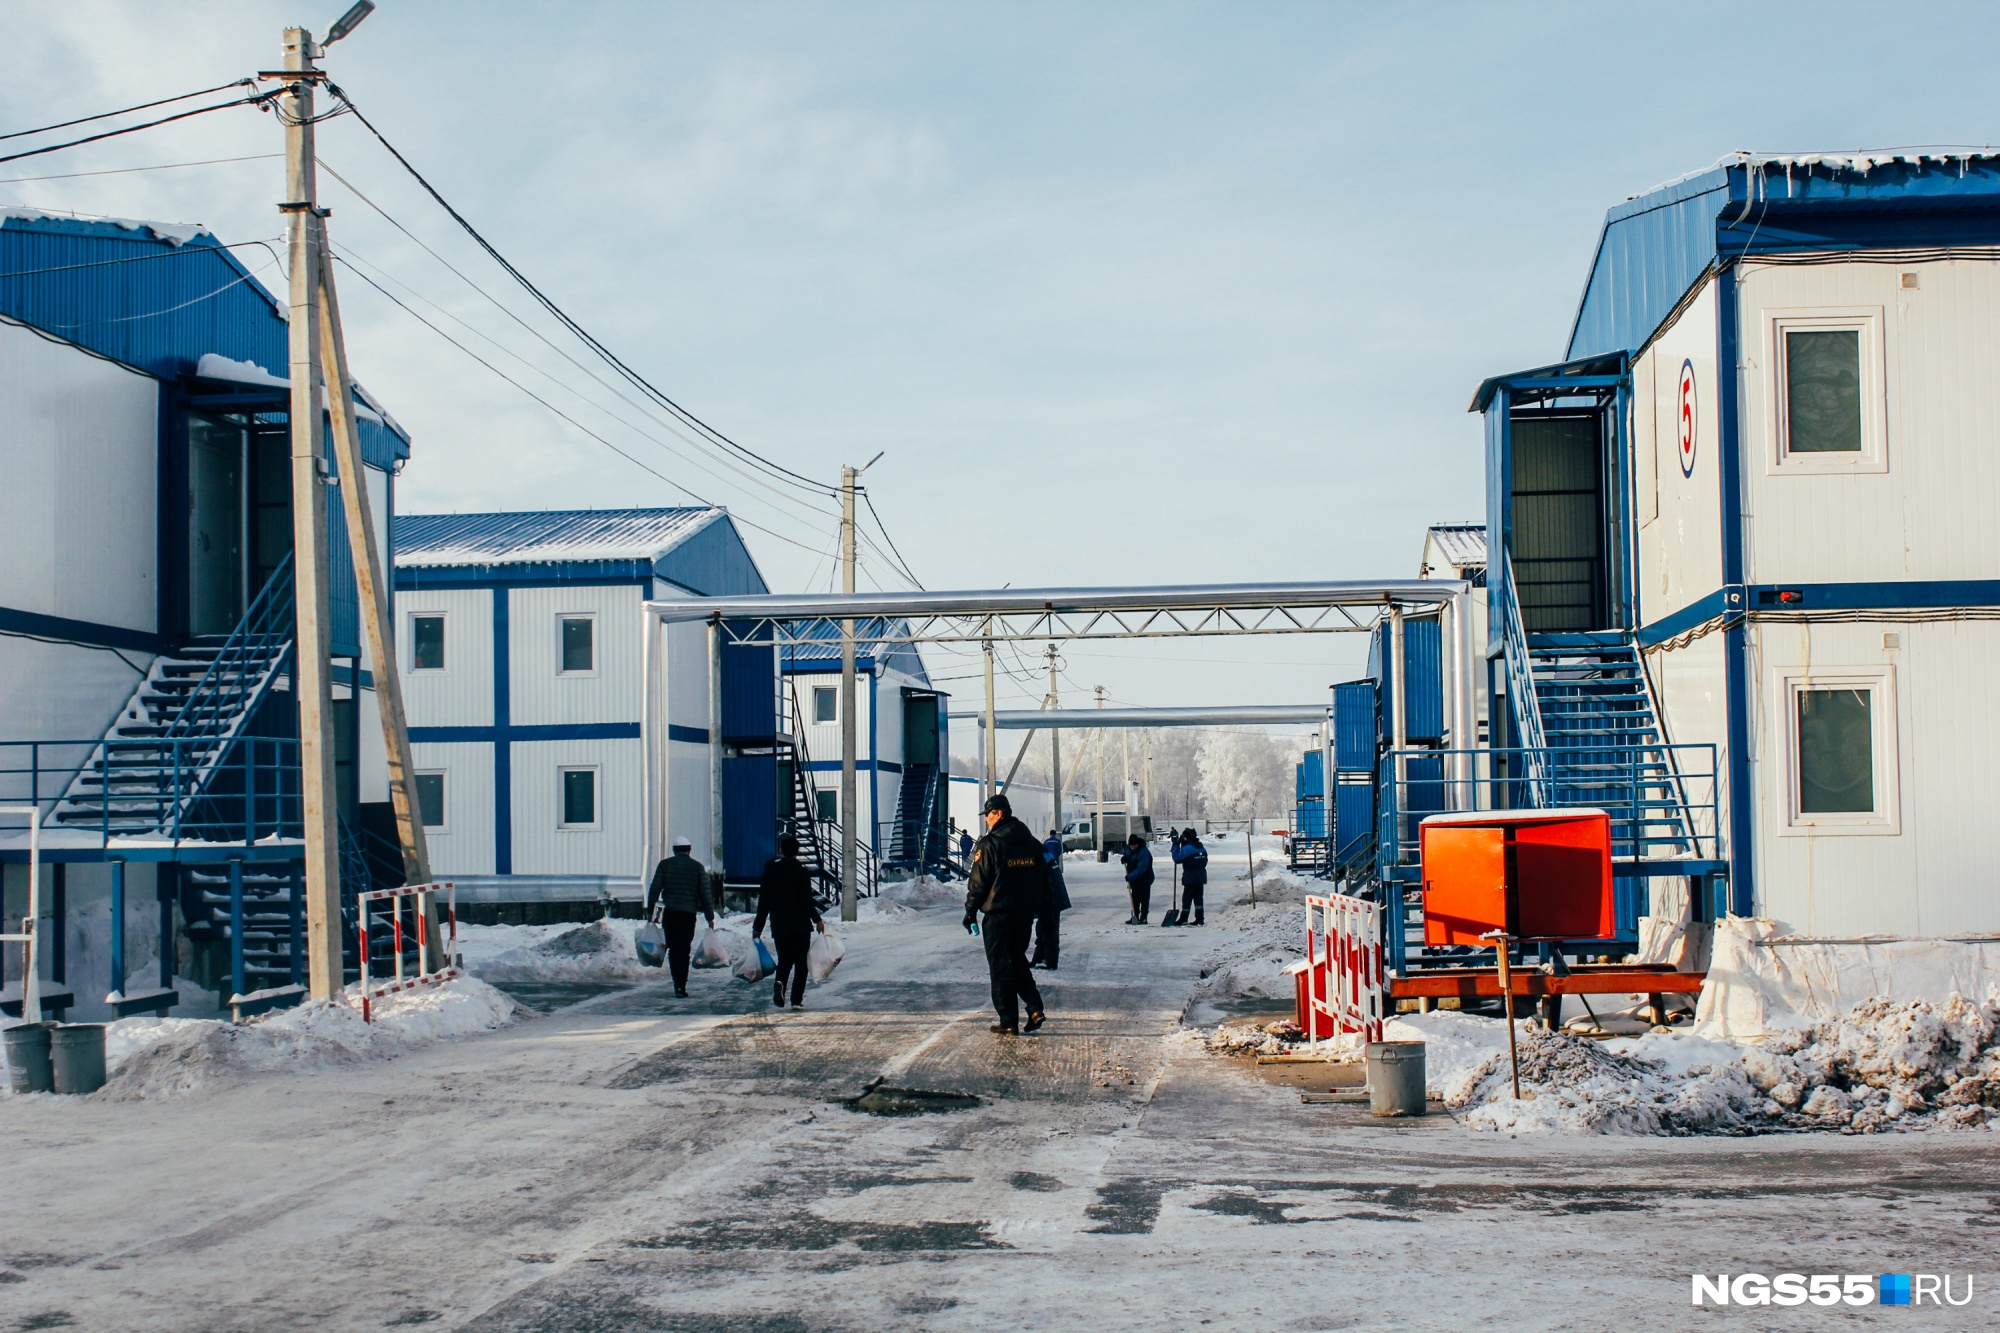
(637, 1162)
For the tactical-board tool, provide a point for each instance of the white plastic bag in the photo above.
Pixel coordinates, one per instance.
(823, 955)
(650, 942)
(711, 951)
(756, 964)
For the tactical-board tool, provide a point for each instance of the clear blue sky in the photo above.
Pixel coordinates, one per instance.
(1130, 293)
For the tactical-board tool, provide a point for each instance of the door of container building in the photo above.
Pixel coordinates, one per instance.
(920, 728)
(1560, 520)
(218, 461)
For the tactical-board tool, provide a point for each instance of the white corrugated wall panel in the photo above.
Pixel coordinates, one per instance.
(1931, 514)
(541, 845)
(461, 695)
(79, 507)
(1693, 694)
(1680, 550)
(464, 846)
(1935, 875)
(543, 696)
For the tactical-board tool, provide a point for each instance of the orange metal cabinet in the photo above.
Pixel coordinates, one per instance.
(1542, 874)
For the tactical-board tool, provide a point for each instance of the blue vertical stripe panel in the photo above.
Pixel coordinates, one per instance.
(1307, 780)
(1353, 815)
(503, 756)
(1354, 726)
(749, 688)
(749, 815)
(1420, 683)
(1499, 497)
(1653, 249)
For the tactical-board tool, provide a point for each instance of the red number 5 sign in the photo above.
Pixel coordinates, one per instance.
(1689, 411)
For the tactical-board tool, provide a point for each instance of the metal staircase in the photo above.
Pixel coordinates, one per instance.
(162, 753)
(917, 846)
(819, 839)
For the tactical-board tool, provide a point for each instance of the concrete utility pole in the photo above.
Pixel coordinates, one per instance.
(1125, 758)
(848, 906)
(1146, 741)
(1055, 747)
(309, 548)
(1098, 823)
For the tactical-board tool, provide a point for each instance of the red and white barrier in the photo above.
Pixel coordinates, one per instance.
(1342, 987)
(417, 899)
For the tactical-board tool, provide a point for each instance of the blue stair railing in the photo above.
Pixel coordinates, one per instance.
(1521, 691)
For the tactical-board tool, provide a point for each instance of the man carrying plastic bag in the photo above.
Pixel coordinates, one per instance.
(680, 889)
(784, 898)
(1009, 881)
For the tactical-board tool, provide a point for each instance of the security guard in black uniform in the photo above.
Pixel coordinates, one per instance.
(1008, 882)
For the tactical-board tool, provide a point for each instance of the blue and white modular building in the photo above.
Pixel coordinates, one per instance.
(1752, 508)
(525, 669)
(146, 706)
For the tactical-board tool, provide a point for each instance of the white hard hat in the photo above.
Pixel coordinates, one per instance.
(682, 840)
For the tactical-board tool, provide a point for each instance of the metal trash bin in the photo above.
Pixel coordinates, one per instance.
(28, 1057)
(1395, 1077)
(76, 1057)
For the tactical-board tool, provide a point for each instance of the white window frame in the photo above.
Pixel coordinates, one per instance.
(410, 652)
(562, 616)
(444, 813)
(1887, 817)
(833, 691)
(1867, 320)
(596, 797)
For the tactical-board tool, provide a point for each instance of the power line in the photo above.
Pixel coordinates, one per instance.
(348, 254)
(638, 463)
(143, 106)
(904, 564)
(174, 253)
(583, 335)
(126, 171)
(258, 98)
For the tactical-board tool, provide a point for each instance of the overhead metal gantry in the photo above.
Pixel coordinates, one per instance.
(1002, 615)
(1090, 719)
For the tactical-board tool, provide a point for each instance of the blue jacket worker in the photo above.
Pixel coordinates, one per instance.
(1008, 883)
(785, 899)
(1048, 925)
(1138, 862)
(679, 890)
(1192, 858)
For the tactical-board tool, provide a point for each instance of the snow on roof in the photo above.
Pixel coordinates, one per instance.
(215, 366)
(1858, 160)
(173, 233)
(1461, 544)
(549, 536)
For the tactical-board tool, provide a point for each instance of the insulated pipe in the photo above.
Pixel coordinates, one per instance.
(1014, 601)
(1465, 720)
(1083, 719)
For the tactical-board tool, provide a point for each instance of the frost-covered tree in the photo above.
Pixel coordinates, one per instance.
(1244, 773)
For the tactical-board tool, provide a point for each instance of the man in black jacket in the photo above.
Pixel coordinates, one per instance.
(785, 899)
(679, 890)
(1009, 883)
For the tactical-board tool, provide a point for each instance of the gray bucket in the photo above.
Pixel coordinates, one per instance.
(28, 1057)
(76, 1054)
(1395, 1077)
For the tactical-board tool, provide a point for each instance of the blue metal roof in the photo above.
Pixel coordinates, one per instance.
(695, 548)
(868, 647)
(1655, 247)
(156, 297)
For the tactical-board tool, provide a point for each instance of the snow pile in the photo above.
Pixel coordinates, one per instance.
(1252, 960)
(163, 1057)
(601, 950)
(1277, 1038)
(1278, 882)
(922, 893)
(1883, 1066)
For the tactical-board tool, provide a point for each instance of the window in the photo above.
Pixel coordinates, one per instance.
(427, 643)
(1836, 752)
(430, 799)
(578, 648)
(1839, 732)
(826, 705)
(1826, 389)
(828, 806)
(579, 797)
